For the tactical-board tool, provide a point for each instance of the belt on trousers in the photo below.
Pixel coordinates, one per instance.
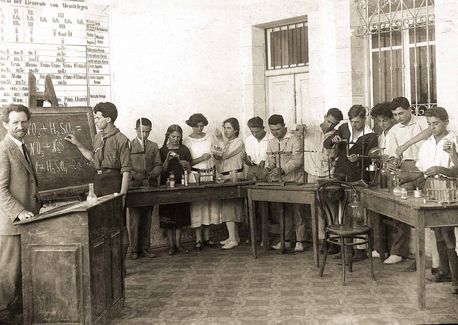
(200, 170)
(107, 171)
(408, 160)
(237, 171)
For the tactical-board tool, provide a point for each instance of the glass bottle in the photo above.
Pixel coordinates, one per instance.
(91, 197)
(185, 178)
(397, 188)
(172, 179)
(384, 175)
(357, 214)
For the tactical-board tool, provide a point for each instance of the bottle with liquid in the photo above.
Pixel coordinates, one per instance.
(384, 175)
(185, 178)
(357, 212)
(172, 179)
(396, 189)
(91, 197)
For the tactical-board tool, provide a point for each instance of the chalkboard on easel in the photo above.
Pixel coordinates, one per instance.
(62, 170)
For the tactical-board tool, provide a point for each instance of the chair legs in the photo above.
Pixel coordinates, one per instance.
(344, 254)
(369, 253)
(344, 257)
(326, 247)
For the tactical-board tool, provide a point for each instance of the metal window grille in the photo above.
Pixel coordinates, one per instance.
(287, 46)
(401, 38)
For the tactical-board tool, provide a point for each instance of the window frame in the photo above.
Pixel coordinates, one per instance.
(268, 49)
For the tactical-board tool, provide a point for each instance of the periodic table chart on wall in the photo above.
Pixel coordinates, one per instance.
(68, 40)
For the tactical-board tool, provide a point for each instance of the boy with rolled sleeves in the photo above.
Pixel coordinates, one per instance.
(438, 156)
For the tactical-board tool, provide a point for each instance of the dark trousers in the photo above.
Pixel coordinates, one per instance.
(139, 228)
(10, 272)
(401, 239)
(108, 182)
(448, 260)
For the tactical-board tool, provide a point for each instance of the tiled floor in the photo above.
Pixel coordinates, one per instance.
(230, 287)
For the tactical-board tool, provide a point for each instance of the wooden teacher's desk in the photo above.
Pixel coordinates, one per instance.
(149, 196)
(416, 213)
(302, 194)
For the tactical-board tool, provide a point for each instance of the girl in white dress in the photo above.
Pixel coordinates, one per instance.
(203, 213)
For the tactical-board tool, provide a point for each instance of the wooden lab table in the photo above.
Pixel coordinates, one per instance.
(416, 213)
(289, 193)
(149, 196)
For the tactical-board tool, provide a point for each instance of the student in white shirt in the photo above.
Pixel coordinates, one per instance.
(317, 159)
(412, 128)
(437, 156)
(256, 143)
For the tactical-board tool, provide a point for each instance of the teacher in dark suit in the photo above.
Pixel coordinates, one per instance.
(18, 201)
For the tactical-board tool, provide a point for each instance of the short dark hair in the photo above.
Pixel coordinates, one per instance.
(357, 111)
(6, 110)
(382, 109)
(107, 109)
(335, 113)
(438, 112)
(195, 119)
(276, 119)
(235, 124)
(400, 102)
(144, 121)
(255, 122)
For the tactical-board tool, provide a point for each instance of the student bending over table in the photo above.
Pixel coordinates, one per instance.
(289, 148)
(438, 156)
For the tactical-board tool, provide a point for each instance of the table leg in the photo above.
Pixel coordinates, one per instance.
(314, 215)
(264, 207)
(282, 227)
(382, 237)
(251, 216)
(420, 260)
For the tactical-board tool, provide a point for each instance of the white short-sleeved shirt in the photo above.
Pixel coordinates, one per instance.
(316, 156)
(432, 154)
(400, 134)
(257, 149)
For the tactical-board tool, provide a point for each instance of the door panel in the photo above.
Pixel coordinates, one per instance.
(304, 113)
(288, 95)
(280, 97)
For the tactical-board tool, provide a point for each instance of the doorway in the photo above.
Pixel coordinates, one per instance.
(288, 95)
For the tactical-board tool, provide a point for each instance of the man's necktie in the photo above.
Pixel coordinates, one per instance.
(26, 154)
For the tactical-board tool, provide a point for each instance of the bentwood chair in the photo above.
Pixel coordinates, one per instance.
(341, 229)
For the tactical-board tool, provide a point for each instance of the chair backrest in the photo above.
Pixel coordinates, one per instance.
(334, 196)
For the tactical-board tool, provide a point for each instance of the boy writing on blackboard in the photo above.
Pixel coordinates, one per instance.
(146, 168)
(110, 154)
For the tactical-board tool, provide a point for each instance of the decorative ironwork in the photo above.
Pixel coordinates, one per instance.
(377, 16)
(420, 109)
(401, 39)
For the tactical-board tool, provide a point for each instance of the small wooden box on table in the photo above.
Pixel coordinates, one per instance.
(72, 263)
(289, 193)
(416, 213)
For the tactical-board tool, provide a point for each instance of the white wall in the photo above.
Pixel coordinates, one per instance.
(330, 42)
(174, 58)
(446, 12)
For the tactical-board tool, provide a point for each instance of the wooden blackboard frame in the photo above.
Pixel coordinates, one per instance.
(67, 192)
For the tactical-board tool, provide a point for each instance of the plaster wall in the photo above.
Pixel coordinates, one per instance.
(173, 58)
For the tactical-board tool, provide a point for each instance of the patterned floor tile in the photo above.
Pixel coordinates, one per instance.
(230, 287)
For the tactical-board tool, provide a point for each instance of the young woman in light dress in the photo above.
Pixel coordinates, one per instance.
(203, 213)
(230, 165)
